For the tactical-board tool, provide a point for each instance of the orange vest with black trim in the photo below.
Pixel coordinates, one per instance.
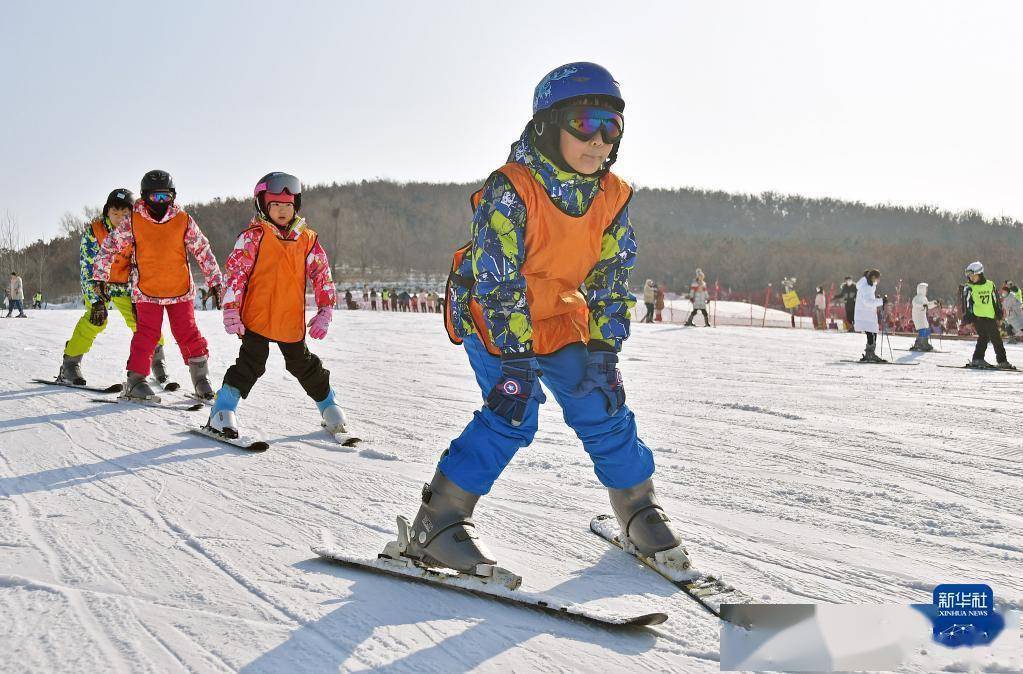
(160, 256)
(274, 303)
(120, 268)
(560, 252)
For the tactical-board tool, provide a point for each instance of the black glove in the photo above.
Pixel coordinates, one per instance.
(99, 288)
(602, 374)
(98, 313)
(884, 300)
(518, 385)
(968, 318)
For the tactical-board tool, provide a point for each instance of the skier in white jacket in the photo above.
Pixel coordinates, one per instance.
(867, 303)
(923, 326)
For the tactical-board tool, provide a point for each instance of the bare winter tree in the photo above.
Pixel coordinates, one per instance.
(10, 243)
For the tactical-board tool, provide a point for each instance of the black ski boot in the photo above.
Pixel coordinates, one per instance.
(1005, 365)
(71, 371)
(870, 357)
(443, 533)
(980, 364)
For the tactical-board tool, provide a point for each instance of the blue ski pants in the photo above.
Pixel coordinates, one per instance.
(476, 458)
(924, 333)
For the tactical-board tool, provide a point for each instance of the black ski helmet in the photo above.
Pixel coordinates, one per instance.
(119, 198)
(157, 180)
(276, 182)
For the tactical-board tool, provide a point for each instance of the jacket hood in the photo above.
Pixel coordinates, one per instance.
(921, 288)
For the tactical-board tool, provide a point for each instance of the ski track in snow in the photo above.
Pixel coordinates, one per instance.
(127, 544)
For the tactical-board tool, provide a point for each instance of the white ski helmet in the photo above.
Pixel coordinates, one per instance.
(974, 268)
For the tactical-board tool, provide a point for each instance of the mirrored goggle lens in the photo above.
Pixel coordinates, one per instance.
(161, 197)
(278, 183)
(586, 122)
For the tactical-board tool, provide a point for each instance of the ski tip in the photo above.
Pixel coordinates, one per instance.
(195, 407)
(173, 386)
(648, 620)
(114, 388)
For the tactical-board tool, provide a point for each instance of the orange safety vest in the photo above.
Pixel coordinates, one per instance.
(560, 252)
(120, 268)
(160, 256)
(274, 304)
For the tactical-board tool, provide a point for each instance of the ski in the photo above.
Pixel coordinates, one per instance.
(710, 592)
(875, 362)
(344, 438)
(113, 388)
(484, 587)
(169, 386)
(154, 402)
(240, 442)
(980, 369)
(919, 351)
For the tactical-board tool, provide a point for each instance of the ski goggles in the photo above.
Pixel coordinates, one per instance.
(278, 183)
(586, 121)
(160, 197)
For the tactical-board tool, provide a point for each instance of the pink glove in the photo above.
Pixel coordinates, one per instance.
(233, 322)
(320, 322)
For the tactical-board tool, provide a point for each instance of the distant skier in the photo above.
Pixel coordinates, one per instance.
(116, 211)
(847, 294)
(920, 320)
(264, 303)
(161, 235)
(551, 222)
(867, 303)
(1013, 312)
(820, 309)
(698, 295)
(789, 285)
(37, 300)
(982, 307)
(649, 296)
(659, 303)
(16, 296)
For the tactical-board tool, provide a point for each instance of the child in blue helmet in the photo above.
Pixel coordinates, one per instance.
(541, 294)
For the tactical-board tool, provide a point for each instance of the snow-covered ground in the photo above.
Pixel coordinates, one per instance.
(726, 313)
(127, 544)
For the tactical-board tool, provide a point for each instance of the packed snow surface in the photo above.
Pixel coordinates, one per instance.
(128, 544)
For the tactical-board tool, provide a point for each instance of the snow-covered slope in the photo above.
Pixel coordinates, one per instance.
(127, 544)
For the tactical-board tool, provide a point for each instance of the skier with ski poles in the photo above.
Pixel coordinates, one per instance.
(982, 307)
(115, 211)
(867, 303)
(551, 221)
(264, 303)
(161, 235)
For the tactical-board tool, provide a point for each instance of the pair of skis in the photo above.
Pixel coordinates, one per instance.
(708, 591)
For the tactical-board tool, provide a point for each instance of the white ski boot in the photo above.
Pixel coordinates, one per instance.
(71, 371)
(645, 528)
(334, 419)
(199, 370)
(223, 419)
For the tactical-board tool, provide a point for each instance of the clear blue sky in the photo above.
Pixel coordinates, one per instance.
(907, 102)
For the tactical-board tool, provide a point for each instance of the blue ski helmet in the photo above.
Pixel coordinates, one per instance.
(573, 80)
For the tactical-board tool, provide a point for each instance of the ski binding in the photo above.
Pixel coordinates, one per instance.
(710, 592)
